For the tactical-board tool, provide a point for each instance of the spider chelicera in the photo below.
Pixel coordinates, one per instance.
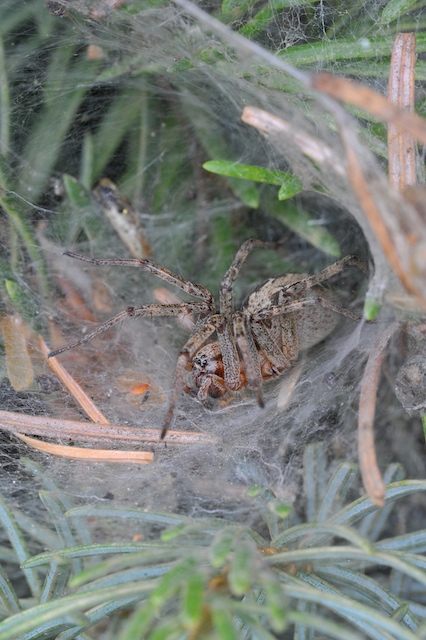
(231, 348)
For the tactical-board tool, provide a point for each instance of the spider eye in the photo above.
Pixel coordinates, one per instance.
(201, 362)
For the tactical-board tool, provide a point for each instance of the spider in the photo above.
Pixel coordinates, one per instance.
(231, 348)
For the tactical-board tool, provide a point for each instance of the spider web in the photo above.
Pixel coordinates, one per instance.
(184, 88)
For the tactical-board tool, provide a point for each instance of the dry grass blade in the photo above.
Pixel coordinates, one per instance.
(401, 145)
(370, 472)
(85, 402)
(400, 229)
(365, 194)
(48, 427)
(91, 455)
(372, 102)
(18, 361)
(314, 149)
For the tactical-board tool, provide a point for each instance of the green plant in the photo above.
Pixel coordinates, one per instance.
(162, 98)
(218, 578)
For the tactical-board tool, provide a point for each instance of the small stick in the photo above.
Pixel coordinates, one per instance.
(372, 102)
(48, 427)
(92, 455)
(85, 402)
(371, 476)
(401, 146)
(308, 145)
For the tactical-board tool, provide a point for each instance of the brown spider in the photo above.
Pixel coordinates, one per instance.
(280, 318)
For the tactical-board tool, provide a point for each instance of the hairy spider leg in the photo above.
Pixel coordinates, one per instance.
(226, 291)
(187, 353)
(135, 312)
(191, 288)
(230, 358)
(298, 305)
(332, 270)
(225, 333)
(249, 354)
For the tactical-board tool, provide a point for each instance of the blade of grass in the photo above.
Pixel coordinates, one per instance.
(118, 120)
(17, 540)
(23, 228)
(53, 122)
(4, 105)
(8, 593)
(34, 619)
(56, 579)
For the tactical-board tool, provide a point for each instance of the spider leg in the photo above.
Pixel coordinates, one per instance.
(226, 298)
(136, 312)
(230, 358)
(298, 305)
(281, 356)
(249, 354)
(189, 350)
(161, 272)
(333, 269)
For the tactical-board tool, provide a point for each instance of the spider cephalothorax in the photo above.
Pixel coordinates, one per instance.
(231, 348)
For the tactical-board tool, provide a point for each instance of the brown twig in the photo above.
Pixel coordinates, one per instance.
(92, 455)
(18, 362)
(370, 472)
(372, 102)
(48, 427)
(85, 402)
(366, 197)
(401, 146)
(314, 149)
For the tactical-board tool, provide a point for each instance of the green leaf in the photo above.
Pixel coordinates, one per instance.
(75, 191)
(254, 491)
(291, 187)
(7, 593)
(394, 9)
(289, 184)
(221, 546)
(56, 579)
(18, 220)
(224, 626)
(317, 533)
(236, 6)
(170, 582)
(166, 631)
(245, 191)
(275, 602)
(240, 575)
(139, 623)
(371, 308)
(118, 120)
(19, 544)
(173, 533)
(268, 13)
(23, 302)
(335, 50)
(247, 172)
(280, 509)
(35, 619)
(306, 226)
(192, 606)
(46, 138)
